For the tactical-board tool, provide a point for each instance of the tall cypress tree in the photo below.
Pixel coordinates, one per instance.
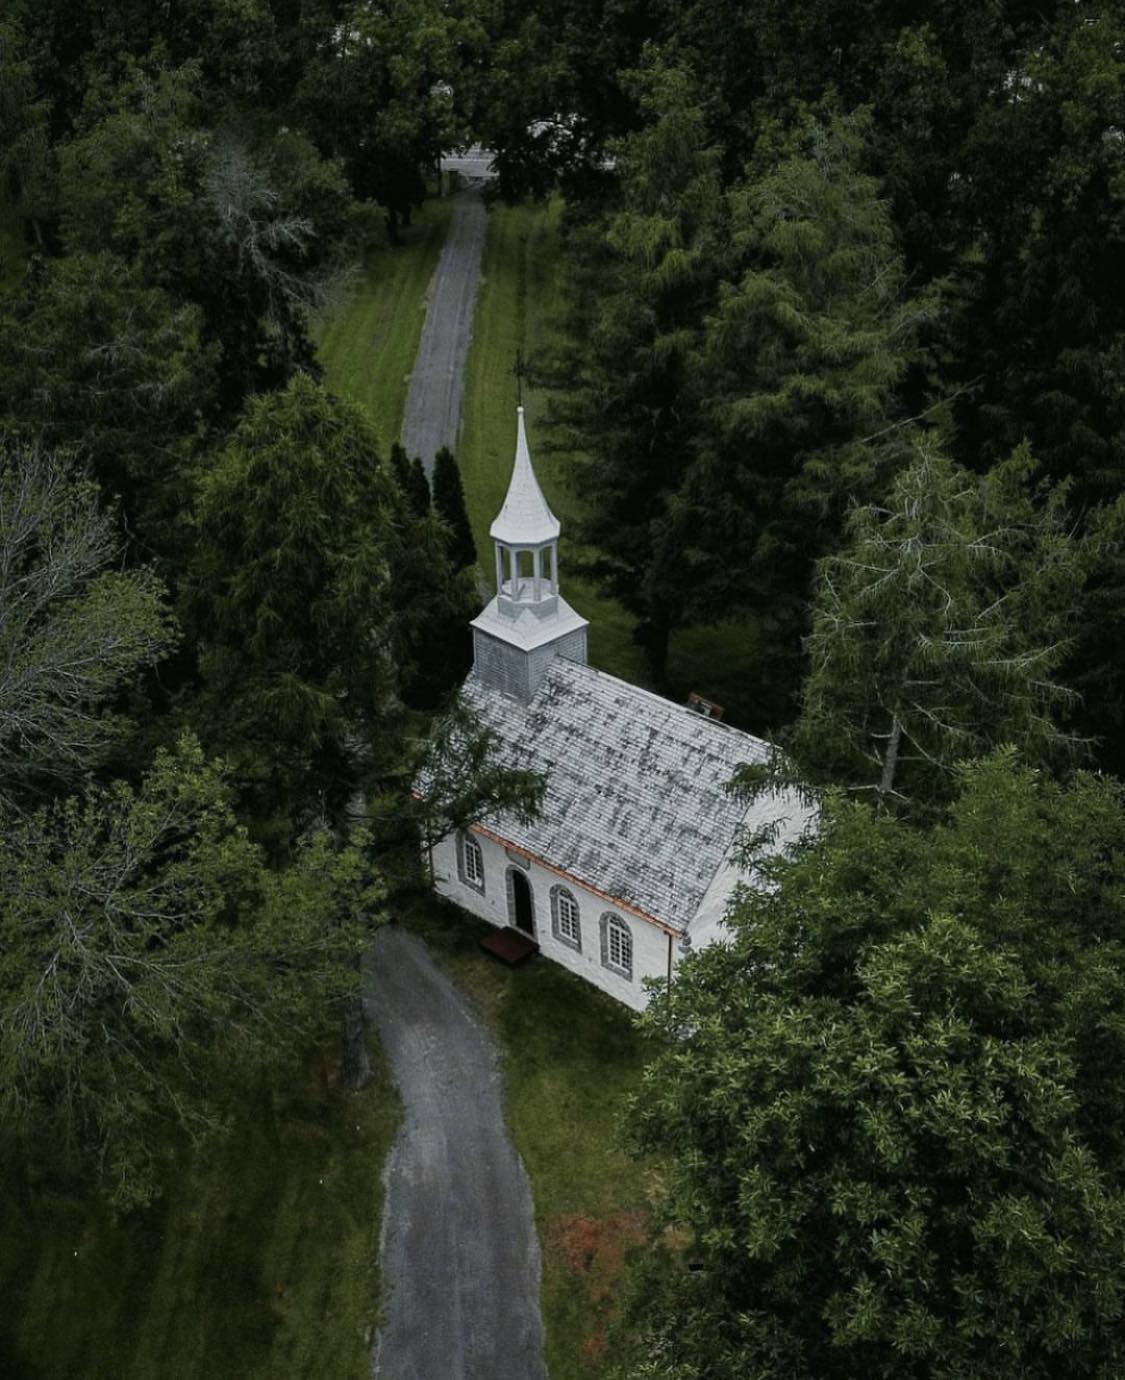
(449, 500)
(411, 479)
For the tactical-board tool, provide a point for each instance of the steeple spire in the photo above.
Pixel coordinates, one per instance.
(528, 623)
(525, 519)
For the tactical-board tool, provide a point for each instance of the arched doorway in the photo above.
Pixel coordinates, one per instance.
(521, 905)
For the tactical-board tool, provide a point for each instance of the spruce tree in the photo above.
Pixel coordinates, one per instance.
(449, 500)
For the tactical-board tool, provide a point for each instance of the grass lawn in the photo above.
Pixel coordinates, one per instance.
(571, 1057)
(367, 340)
(258, 1263)
(520, 308)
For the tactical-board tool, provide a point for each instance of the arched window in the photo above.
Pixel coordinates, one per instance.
(617, 945)
(566, 923)
(470, 861)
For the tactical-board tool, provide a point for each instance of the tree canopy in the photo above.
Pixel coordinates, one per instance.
(74, 632)
(144, 943)
(939, 629)
(892, 1113)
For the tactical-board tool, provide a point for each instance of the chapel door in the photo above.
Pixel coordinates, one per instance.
(523, 910)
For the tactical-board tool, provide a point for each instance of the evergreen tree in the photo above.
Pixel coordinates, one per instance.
(92, 359)
(938, 629)
(893, 1112)
(797, 373)
(297, 601)
(411, 479)
(642, 284)
(449, 500)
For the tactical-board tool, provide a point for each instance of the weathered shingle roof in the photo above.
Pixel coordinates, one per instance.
(636, 804)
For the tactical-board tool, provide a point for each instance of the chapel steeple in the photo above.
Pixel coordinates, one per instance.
(528, 623)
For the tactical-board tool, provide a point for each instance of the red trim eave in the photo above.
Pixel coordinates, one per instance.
(570, 877)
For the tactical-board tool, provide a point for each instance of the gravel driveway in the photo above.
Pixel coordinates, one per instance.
(460, 1258)
(433, 402)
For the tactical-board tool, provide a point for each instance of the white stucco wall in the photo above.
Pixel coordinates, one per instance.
(650, 944)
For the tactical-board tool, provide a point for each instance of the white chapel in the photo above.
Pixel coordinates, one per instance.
(633, 859)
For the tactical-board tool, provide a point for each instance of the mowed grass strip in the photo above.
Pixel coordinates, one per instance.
(367, 339)
(521, 309)
(571, 1057)
(259, 1260)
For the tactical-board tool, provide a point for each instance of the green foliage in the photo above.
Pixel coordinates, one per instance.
(248, 234)
(551, 96)
(938, 629)
(74, 633)
(798, 368)
(381, 95)
(300, 532)
(411, 478)
(461, 781)
(895, 1105)
(26, 164)
(143, 940)
(636, 320)
(449, 500)
(93, 360)
(1047, 171)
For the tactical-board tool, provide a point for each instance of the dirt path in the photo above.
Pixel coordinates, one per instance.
(433, 402)
(460, 1257)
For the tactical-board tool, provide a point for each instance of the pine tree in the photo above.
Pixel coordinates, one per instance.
(449, 500)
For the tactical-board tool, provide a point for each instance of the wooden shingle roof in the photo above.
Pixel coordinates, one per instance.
(636, 804)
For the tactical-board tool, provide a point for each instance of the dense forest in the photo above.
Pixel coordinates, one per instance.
(843, 355)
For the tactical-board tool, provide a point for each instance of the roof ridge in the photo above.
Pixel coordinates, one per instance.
(560, 663)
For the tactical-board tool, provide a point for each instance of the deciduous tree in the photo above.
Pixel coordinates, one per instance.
(893, 1113)
(462, 780)
(143, 944)
(74, 631)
